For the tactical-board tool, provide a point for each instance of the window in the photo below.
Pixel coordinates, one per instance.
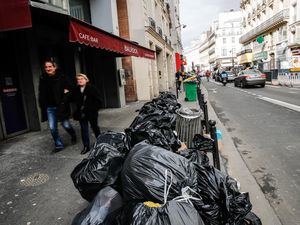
(294, 13)
(233, 39)
(233, 51)
(224, 40)
(224, 52)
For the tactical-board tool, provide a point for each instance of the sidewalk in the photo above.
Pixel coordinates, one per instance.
(35, 185)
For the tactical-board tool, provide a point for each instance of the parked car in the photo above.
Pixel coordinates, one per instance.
(250, 77)
(231, 76)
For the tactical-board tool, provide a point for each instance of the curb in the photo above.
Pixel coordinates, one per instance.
(237, 168)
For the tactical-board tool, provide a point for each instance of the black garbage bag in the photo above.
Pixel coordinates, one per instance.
(202, 143)
(222, 201)
(172, 213)
(195, 156)
(100, 169)
(158, 136)
(251, 219)
(105, 202)
(159, 118)
(148, 169)
(116, 139)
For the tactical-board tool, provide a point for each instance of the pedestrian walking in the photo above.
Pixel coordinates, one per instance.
(207, 74)
(53, 91)
(88, 102)
(178, 80)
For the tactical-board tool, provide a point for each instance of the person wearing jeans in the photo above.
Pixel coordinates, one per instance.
(52, 119)
(53, 92)
(87, 100)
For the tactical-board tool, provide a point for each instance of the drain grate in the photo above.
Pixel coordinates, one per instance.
(34, 180)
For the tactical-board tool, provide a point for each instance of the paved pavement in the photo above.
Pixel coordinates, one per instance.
(35, 185)
(266, 134)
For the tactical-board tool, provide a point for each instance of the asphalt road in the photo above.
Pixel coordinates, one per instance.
(264, 124)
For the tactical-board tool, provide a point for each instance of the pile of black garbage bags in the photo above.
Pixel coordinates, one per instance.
(139, 177)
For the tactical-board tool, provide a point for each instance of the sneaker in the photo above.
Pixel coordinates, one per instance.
(58, 149)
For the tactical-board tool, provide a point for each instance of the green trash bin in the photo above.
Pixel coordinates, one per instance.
(190, 91)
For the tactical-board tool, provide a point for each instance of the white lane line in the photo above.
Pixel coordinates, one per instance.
(281, 103)
(253, 94)
(272, 86)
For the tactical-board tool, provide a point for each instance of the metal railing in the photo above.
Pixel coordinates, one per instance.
(278, 18)
(289, 79)
(159, 31)
(152, 23)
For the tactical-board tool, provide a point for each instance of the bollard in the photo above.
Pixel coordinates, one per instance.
(213, 135)
(205, 111)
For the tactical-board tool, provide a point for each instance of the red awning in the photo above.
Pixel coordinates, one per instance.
(86, 34)
(14, 14)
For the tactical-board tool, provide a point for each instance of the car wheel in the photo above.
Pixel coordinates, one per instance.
(235, 84)
(243, 84)
(262, 85)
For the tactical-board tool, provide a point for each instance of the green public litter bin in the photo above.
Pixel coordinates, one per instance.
(190, 91)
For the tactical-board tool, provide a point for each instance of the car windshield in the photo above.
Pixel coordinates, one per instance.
(252, 72)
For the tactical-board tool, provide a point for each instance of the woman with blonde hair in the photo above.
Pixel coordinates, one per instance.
(88, 102)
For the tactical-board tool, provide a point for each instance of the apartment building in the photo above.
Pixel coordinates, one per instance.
(219, 49)
(228, 32)
(203, 52)
(154, 24)
(265, 35)
(80, 35)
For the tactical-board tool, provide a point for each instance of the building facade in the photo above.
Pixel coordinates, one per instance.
(266, 35)
(81, 36)
(203, 52)
(219, 48)
(228, 32)
(154, 24)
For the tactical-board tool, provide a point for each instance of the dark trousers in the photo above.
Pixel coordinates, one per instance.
(84, 124)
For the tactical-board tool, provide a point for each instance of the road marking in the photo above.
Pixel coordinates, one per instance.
(272, 86)
(281, 103)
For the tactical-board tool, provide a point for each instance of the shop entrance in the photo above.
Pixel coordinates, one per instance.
(12, 112)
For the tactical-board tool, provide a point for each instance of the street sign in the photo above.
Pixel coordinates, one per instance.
(260, 39)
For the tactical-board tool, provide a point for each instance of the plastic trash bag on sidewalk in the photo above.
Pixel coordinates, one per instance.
(100, 169)
(195, 156)
(158, 136)
(104, 203)
(115, 139)
(202, 143)
(144, 174)
(172, 213)
(223, 203)
(251, 219)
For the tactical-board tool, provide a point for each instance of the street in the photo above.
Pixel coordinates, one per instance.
(264, 124)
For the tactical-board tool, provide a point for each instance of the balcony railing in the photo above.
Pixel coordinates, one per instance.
(278, 18)
(159, 31)
(270, 2)
(152, 23)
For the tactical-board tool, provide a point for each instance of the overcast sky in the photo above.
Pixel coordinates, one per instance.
(198, 15)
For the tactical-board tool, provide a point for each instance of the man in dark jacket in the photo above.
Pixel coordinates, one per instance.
(53, 90)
